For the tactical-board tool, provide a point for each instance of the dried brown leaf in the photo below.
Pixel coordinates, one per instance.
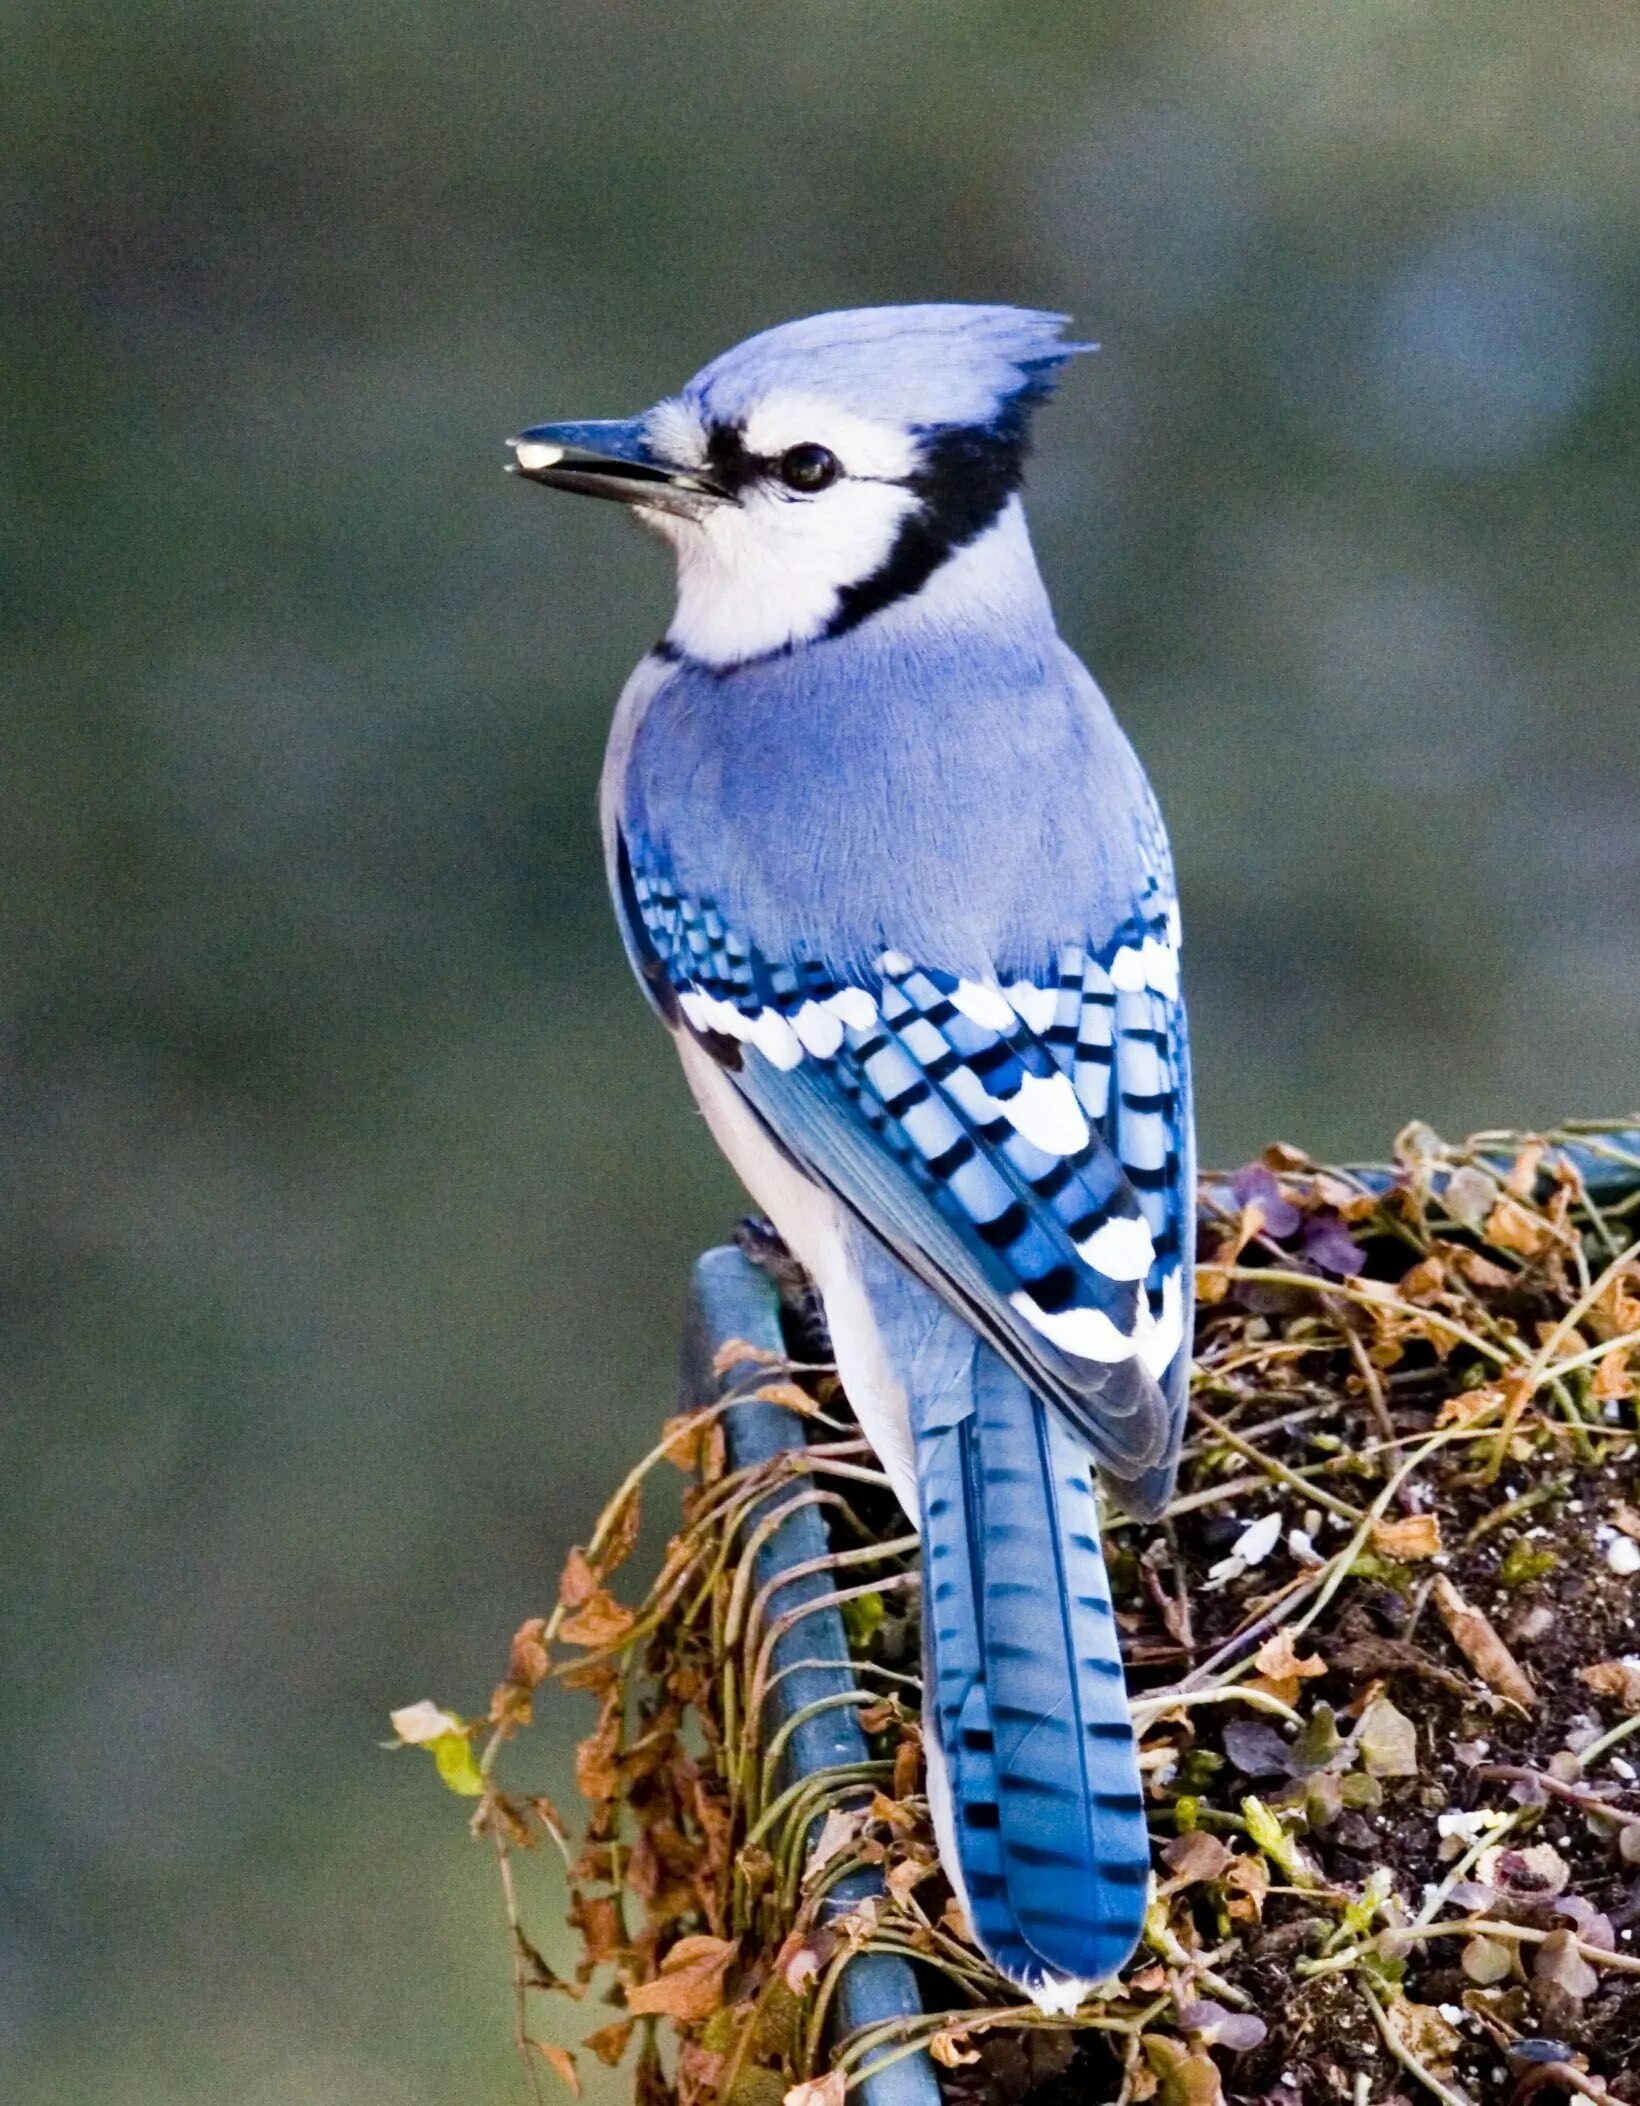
(527, 1657)
(621, 1537)
(1510, 1226)
(609, 2042)
(1480, 1273)
(1186, 2076)
(700, 2074)
(1409, 1537)
(1470, 1406)
(599, 1621)
(597, 1773)
(1523, 1171)
(949, 2048)
(1424, 1281)
(1424, 2033)
(681, 1438)
(533, 1970)
(579, 1581)
(954, 1918)
(1476, 1638)
(598, 1918)
(689, 1986)
(1247, 1882)
(838, 1830)
(510, 1706)
(1194, 1858)
(740, 1352)
(828, 2090)
(562, 2064)
(1614, 1678)
(791, 1396)
(902, 1877)
(1281, 1668)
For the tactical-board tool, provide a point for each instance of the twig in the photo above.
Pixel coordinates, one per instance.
(1404, 2055)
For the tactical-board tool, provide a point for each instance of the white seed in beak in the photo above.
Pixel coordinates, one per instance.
(533, 457)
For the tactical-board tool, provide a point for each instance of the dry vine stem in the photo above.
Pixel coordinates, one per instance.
(1378, 1862)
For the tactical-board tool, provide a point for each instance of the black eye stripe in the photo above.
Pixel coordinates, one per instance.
(734, 466)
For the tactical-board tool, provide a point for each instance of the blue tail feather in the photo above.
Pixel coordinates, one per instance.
(1033, 1769)
(956, 1706)
(1075, 1848)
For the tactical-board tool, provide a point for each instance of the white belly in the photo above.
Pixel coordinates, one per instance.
(814, 1228)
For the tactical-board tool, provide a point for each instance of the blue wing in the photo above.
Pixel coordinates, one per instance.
(1024, 1150)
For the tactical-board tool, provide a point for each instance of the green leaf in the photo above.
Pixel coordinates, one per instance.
(1197, 1769)
(1359, 1914)
(1319, 1742)
(1524, 1562)
(862, 1619)
(1266, 1830)
(457, 1764)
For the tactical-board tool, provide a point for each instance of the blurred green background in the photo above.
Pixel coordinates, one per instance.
(348, 1190)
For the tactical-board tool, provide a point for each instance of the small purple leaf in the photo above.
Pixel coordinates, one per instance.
(1329, 1244)
(1257, 1750)
(1255, 1186)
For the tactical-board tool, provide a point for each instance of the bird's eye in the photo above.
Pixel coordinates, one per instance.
(809, 467)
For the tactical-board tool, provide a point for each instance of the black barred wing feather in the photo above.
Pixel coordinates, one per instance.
(1022, 1147)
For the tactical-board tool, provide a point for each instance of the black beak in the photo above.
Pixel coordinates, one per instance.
(611, 459)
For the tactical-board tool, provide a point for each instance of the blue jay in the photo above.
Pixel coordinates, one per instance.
(894, 879)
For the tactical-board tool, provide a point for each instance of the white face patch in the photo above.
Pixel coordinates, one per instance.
(866, 448)
(676, 434)
(765, 572)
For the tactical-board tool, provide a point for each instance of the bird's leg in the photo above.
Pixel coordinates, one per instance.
(758, 1237)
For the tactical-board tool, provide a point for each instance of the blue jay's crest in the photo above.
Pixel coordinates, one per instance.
(918, 367)
(892, 876)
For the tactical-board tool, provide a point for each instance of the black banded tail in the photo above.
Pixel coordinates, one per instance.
(1025, 1694)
